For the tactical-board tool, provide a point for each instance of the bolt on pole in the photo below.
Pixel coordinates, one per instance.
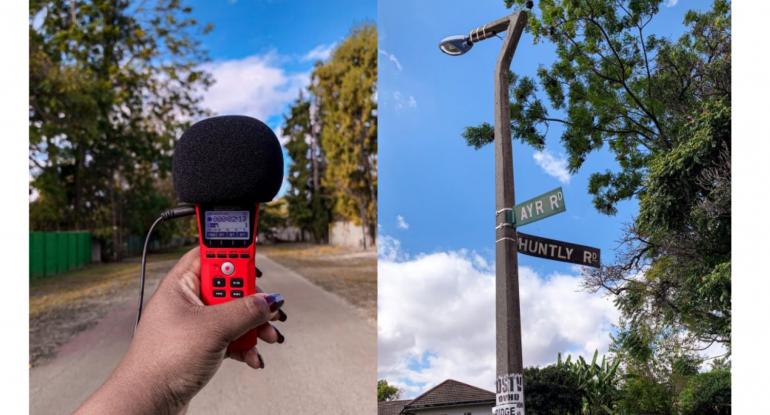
(510, 388)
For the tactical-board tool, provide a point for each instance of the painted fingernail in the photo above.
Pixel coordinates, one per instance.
(282, 316)
(280, 336)
(275, 301)
(261, 362)
(259, 273)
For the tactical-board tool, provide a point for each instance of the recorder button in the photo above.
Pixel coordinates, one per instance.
(219, 293)
(236, 293)
(236, 282)
(219, 282)
(245, 256)
(209, 255)
(228, 268)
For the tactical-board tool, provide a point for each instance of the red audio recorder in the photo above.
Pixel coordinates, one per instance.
(227, 236)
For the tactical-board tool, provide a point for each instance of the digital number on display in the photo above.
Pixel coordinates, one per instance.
(228, 224)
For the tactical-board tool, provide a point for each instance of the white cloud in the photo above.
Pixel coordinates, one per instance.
(255, 85)
(320, 52)
(671, 3)
(555, 167)
(436, 318)
(389, 249)
(401, 222)
(401, 101)
(391, 57)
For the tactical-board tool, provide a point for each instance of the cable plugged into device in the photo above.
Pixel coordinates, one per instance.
(178, 212)
(173, 213)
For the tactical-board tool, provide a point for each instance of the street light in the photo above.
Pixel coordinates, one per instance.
(510, 384)
(455, 45)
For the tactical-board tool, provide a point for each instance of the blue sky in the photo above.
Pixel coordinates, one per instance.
(436, 206)
(443, 189)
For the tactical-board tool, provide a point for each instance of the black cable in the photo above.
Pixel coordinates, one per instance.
(144, 266)
(173, 213)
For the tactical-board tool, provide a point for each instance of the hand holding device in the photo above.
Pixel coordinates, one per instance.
(181, 343)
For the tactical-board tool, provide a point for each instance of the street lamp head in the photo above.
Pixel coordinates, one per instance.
(455, 45)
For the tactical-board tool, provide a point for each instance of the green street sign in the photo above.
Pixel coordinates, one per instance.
(540, 207)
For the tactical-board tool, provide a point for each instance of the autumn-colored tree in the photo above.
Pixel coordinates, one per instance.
(344, 88)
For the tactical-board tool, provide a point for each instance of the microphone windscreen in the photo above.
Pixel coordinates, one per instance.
(227, 159)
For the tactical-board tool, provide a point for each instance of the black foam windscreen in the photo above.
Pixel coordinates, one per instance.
(227, 159)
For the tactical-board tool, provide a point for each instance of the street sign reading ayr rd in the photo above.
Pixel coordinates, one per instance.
(558, 250)
(540, 207)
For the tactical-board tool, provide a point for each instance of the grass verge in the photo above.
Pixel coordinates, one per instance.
(65, 304)
(349, 273)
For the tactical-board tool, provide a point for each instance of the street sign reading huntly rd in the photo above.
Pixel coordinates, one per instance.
(539, 207)
(558, 250)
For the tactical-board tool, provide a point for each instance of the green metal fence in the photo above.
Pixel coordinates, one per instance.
(51, 253)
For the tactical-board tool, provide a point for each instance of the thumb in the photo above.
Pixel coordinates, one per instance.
(234, 318)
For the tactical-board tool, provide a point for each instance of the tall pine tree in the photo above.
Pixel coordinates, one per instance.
(308, 200)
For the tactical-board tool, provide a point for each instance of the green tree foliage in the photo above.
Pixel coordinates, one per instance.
(641, 395)
(662, 107)
(110, 85)
(598, 383)
(272, 216)
(551, 390)
(308, 199)
(613, 83)
(707, 393)
(614, 387)
(386, 392)
(344, 88)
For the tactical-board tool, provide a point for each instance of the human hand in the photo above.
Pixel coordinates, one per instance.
(180, 343)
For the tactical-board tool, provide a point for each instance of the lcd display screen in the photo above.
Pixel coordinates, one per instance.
(227, 224)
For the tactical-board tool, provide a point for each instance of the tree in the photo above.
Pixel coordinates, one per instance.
(662, 107)
(111, 87)
(272, 215)
(707, 393)
(386, 392)
(641, 395)
(308, 200)
(345, 89)
(551, 390)
(613, 84)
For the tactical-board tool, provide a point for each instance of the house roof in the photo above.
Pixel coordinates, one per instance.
(391, 407)
(450, 393)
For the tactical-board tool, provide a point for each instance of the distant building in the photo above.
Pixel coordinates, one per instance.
(449, 397)
(343, 233)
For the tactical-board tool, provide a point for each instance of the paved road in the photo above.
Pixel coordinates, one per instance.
(326, 366)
